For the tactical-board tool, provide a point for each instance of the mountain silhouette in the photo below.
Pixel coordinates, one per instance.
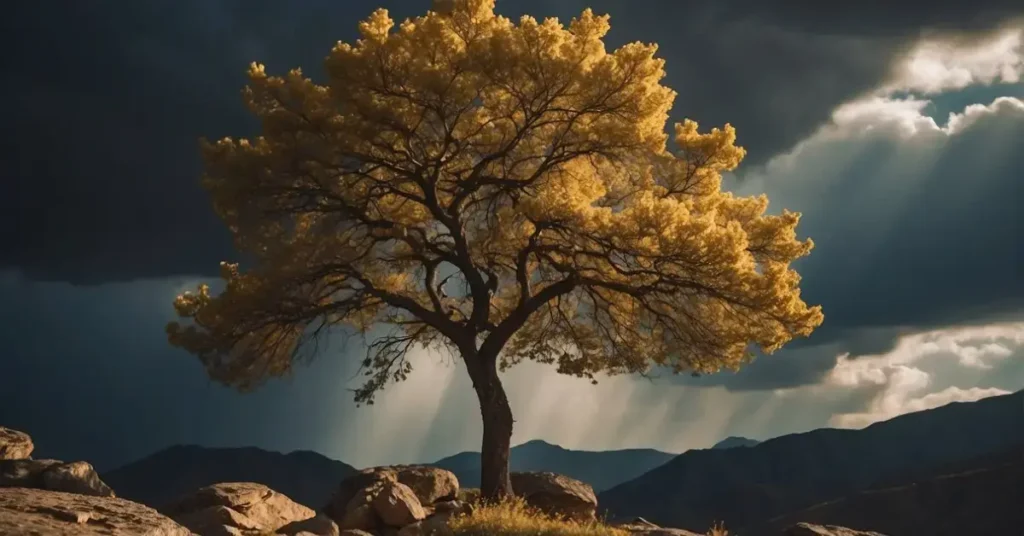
(306, 477)
(733, 442)
(600, 469)
(980, 497)
(749, 486)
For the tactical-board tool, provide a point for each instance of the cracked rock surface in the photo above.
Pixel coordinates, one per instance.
(52, 513)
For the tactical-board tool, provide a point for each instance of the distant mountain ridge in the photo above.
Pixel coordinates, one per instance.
(600, 469)
(733, 442)
(306, 477)
(310, 478)
(749, 486)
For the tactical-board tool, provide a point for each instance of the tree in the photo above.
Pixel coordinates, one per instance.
(501, 191)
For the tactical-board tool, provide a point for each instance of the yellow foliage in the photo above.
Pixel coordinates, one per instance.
(500, 188)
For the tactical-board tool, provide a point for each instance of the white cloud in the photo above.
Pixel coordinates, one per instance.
(898, 377)
(905, 117)
(942, 64)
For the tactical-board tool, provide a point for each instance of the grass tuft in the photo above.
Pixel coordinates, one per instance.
(513, 517)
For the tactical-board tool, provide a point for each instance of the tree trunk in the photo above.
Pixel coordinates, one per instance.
(497, 419)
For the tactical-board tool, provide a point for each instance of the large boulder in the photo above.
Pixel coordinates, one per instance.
(809, 529)
(556, 495)
(236, 508)
(397, 505)
(14, 445)
(75, 477)
(430, 484)
(53, 475)
(53, 513)
(355, 504)
(354, 495)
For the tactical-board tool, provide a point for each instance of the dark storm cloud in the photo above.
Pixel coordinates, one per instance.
(88, 373)
(105, 101)
(912, 233)
(877, 17)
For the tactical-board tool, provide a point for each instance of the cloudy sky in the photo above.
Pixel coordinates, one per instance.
(898, 132)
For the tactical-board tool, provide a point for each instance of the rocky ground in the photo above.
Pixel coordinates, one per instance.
(52, 497)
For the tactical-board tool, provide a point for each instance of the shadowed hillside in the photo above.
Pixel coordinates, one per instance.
(602, 469)
(980, 497)
(749, 486)
(306, 477)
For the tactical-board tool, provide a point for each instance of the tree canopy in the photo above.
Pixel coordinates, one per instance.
(503, 190)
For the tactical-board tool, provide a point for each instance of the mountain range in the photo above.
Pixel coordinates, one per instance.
(981, 496)
(310, 478)
(600, 469)
(747, 487)
(158, 479)
(951, 466)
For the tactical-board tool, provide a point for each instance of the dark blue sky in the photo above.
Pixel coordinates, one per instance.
(104, 222)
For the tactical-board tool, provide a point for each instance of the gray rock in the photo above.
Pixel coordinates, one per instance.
(53, 475)
(14, 445)
(24, 473)
(52, 513)
(75, 477)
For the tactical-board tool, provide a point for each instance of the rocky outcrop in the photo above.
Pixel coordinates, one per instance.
(53, 475)
(556, 495)
(808, 529)
(75, 477)
(18, 470)
(52, 513)
(405, 500)
(241, 508)
(51, 497)
(14, 445)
